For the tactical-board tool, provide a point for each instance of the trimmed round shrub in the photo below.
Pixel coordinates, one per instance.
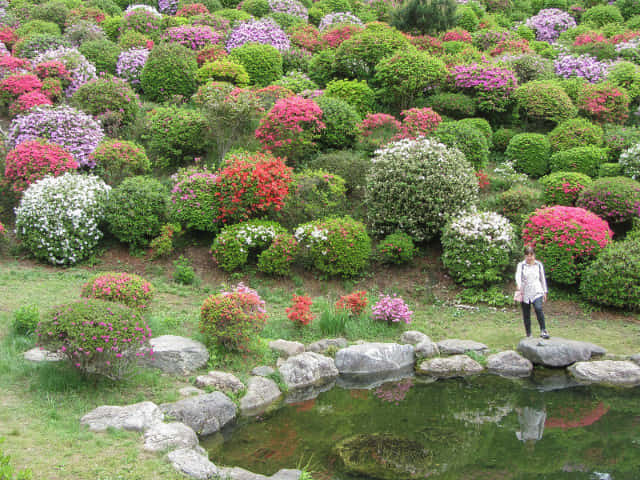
(566, 240)
(313, 194)
(454, 105)
(131, 39)
(613, 279)
(356, 93)
(502, 137)
(296, 81)
(264, 30)
(616, 199)
(175, 136)
(321, 67)
(626, 75)
(490, 85)
(34, 45)
(630, 162)
(263, 63)
(467, 138)
(334, 245)
(34, 27)
(350, 165)
(482, 125)
(576, 132)
(478, 248)
(110, 99)
(32, 160)
(54, 11)
(235, 244)
(600, 15)
(103, 54)
(223, 70)
(256, 8)
(414, 185)
(544, 101)
(585, 160)
(563, 188)
(116, 160)
(231, 319)
(529, 153)
(341, 123)
(279, 256)
(397, 249)
(193, 37)
(529, 67)
(58, 218)
(171, 69)
(75, 131)
(97, 337)
(193, 202)
(136, 210)
(142, 20)
(120, 287)
(517, 202)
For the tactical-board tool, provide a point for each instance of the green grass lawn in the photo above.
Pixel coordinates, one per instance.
(42, 403)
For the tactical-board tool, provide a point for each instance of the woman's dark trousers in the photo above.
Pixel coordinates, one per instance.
(526, 315)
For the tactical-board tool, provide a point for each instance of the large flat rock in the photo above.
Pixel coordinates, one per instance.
(193, 463)
(450, 367)
(454, 346)
(308, 369)
(178, 355)
(206, 414)
(374, 358)
(509, 364)
(137, 417)
(168, 436)
(261, 394)
(607, 372)
(557, 351)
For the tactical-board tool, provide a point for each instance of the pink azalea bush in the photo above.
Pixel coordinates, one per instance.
(125, 288)
(491, 85)
(391, 309)
(419, 122)
(192, 37)
(378, 129)
(566, 240)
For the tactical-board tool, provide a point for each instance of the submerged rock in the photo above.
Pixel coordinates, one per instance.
(558, 352)
(385, 456)
(509, 364)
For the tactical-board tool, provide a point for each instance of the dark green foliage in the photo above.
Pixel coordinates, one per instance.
(321, 67)
(613, 279)
(170, 70)
(341, 123)
(530, 153)
(136, 210)
(585, 160)
(467, 138)
(628, 8)
(111, 27)
(107, 6)
(102, 53)
(350, 165)
(466, 18)
(257, 8)
(425, 16)
(55, 11)
(576, 132)
(454, 105)
(482, 125)
(263, 63)
(517, 203)
(396, 248)
(502, 137)
(610, 170)
(544, 101)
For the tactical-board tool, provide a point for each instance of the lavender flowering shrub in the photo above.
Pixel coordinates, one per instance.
(193, 37)
(264, 31)
(72, 129)
(168, 7)
(338, 18)
(549, 23)
(290, 7)
(58, 218)
(130, 64)
(391, 309)
(584, 66)
(79, 67)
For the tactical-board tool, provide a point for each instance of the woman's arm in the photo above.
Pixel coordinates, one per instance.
(519, 276)
(543, 280)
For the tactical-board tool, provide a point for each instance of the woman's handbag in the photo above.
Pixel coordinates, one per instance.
(517, 296)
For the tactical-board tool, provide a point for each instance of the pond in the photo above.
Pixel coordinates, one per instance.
(481, 428)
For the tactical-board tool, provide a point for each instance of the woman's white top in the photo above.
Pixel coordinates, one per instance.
(530, 279)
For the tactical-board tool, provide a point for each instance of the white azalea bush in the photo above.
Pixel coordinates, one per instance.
(478, 247)
(233, 245)
(58, 218)
(413, 186)
(630, 162)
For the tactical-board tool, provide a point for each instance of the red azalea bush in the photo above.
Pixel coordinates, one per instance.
(8, 36)
(334, 37)
(13, 86)
(32, 160)
(290, 128)
(419, 122)
(125, 288)
(426, 43)
(250, 185)
(354, 302)
(306, 36)
(210, 53)
(457, 35)
(563, 188)
(566, 240)
(616, 199)
(229, 319)
(378, 129)
(10, 64)
(604, 103)
(299, 312)
(53, 69)
(192, 10)
(511, 46)
(27, 101)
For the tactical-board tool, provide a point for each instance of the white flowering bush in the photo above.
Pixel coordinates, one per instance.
(58, 218)
(630, 162)
(234, 244)
(413, 186)
(478, 247)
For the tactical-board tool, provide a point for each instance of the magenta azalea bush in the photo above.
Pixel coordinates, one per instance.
(120, 287)
(72, 129)
(193, 37)
(549, 23)
(616, 199)
(265, 31)
(492, 85)
(391, 309)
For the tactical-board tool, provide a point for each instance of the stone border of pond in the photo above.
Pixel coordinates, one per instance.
(310, 370)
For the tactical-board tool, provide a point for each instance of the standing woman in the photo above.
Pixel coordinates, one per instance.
(533, 285)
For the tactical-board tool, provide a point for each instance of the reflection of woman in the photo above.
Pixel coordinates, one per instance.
(531, 424)
(533, 285)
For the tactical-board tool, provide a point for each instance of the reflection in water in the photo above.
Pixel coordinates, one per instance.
(531, 424)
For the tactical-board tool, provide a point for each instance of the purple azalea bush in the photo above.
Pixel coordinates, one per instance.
(391, 309)
(168, 7)
(265, 31)
(585, 66)
(549, 23)
(130, 64)
(72, 129)
(193, 37)
(290, 7)
(80, 68)
(338, 18)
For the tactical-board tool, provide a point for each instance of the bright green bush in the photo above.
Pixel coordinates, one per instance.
(517, 202)
(350, 165)
(127, 289)
(25, 321)
(33, 27)
(626, 75)
(610, 170)
(414, 185)
(341, 123)
(563, 188)
(616, 199)
(257, 8)
(467, 138)
(136, 210)
(116, 160)
(132, 39)
(482, 125)
(102, 53)
(278, 258)
(478, 248)
(335, 245)
(263, 63)
(544, 101)
(613, 279)
(322, 67)
(111, 27)
(601, 15)
(296, 81)
(466, 18)
(78, 330)
(529, 153)
(170, 70)
(454, 105)
(54, 11)
(576, 132)
(355, 92)
(223, 70)
(396, 248)
(585, 160)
